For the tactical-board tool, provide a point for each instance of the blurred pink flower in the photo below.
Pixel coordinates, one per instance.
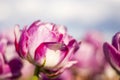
(10, 63)
(67, 75)
(46, 45)
(90, 54)
(8, 34)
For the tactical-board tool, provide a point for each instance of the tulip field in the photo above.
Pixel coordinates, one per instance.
(59, 39)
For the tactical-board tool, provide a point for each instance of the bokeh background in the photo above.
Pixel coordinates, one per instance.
(79, 16)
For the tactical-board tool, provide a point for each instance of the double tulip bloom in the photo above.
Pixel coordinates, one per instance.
(112, 52)
(46, 45)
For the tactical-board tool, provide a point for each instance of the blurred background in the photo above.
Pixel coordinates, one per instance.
(79, 16)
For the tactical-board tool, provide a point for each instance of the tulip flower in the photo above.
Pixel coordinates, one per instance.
(10, 64)
(47, 46)
(112, 52)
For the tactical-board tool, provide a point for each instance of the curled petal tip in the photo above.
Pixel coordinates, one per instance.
(116, 41)
(36, 23)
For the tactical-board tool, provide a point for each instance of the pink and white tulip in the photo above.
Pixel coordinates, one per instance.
(46, 45)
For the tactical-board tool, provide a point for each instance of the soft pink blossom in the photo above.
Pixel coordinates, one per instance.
(90, 54)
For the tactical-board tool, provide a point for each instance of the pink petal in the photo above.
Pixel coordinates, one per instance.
(23, 45)
(112, 55)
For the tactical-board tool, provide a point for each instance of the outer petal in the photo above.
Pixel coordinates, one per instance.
(17, 37)
(23, 45)
(53, 53)
(113, 56)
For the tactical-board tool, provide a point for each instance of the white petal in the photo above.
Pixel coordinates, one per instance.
(52, 58)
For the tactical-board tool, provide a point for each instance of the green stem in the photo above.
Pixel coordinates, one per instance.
(36, 74)
(35, 77)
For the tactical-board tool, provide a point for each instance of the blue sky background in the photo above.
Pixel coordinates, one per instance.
(79, 16)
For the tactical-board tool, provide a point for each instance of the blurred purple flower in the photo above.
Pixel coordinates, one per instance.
(112, 52)
(10, 64)
(46, 45)
(90, 55)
